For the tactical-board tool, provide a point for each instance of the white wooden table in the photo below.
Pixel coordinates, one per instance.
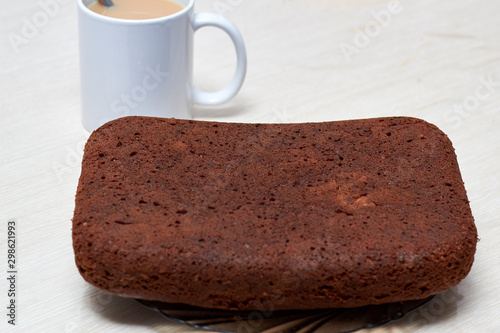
(309, 60)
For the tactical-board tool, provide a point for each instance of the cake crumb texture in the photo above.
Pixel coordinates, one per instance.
(310, 215)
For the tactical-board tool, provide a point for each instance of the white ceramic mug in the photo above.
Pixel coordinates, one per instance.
(144, 67)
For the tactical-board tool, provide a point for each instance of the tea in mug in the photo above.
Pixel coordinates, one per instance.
(137, 9)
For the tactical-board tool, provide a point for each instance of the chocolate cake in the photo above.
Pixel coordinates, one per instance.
(300, 216)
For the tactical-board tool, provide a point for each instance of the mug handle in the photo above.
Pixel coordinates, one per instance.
(218, 97)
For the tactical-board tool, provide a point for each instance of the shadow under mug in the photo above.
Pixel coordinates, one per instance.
(145, 67)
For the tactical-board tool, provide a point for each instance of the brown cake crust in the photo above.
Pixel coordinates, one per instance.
(304, 216)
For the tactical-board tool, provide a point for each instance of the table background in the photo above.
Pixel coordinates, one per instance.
(436, 60)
